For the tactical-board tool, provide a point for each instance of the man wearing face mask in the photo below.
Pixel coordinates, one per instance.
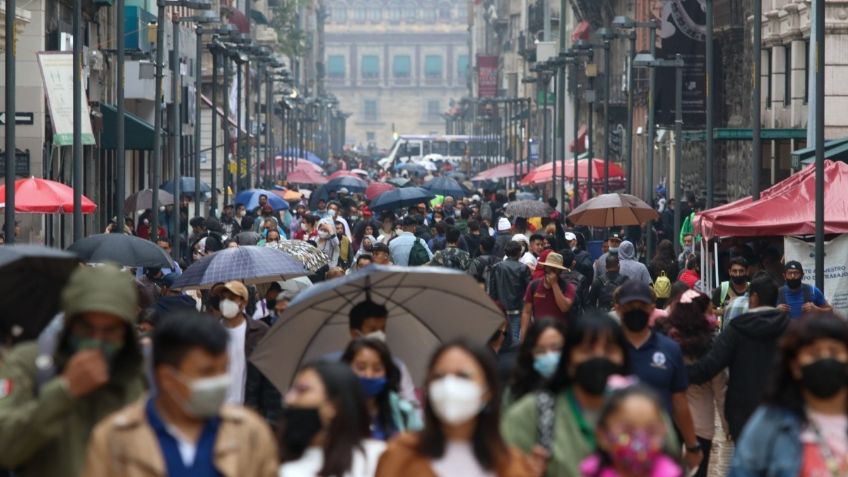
(736, 287)
(185, 428)
(657, 361)
(600, 265)
(796, 298)
(54, 391)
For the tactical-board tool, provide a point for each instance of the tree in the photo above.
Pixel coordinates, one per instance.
(291, 39)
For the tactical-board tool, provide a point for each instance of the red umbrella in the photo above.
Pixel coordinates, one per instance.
(542, 174)
(305, 176)
(377, 188)
(499, 172)
(42, 196)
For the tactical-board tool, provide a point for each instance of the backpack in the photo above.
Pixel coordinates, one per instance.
(418, 254)
(807, 290)
(662, 286)
(605, 297)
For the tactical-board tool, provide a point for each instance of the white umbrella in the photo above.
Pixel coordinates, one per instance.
(427, 306)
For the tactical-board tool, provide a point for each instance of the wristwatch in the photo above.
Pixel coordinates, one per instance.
(694, 449)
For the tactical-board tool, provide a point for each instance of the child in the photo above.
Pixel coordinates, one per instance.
(630, 437)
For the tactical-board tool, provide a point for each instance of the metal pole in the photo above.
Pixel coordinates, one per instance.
(606, 116)
(630, 85)
(256, 113)
(270, 177)
(239, 151)
(157, 120)
(77, 111)
(562, 102)
(226, 125)
(820, 25)
(213, 206)
(710, 58)
(120, 149)
(575, 183)
(590, 151)
(678, 142)
(198, 83)
(9, 213)
(756, 103)
(652, 133)
(176, 144)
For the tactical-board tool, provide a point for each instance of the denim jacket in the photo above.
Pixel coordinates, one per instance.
(770, 445)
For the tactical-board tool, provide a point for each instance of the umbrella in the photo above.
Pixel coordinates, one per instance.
(143, 200)
(607, 210)
(400, 181)
(344, 173)
(446, 186)
(31, 282)
(250, 199)
(295, 285)
(311, 258)
(249, 264)
(42, 196)
(499, 172)
(527, 209)
(321, 193)
(305, 176)
(296, 152)
(418, 169)
(126, 250)
(403, 197)
(426, 306)
(353, 184)
(361, 172)
(542, 174)
(292, 195)
(376, 188)
(525, 196)
(186, 186)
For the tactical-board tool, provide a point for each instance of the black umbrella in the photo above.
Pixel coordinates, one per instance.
(400, 181)
(126, 250)
(31, 282)
(143, 200)
(446, 186)
(403, 197)
(352, 184)
(249, 264)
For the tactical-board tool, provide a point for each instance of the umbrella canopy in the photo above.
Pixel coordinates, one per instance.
(412, 167)
(446, 186)
(344, 173)
(400, 181)
(249, 264)
(296, 152)
(186, 186)
(376, 188)
(126, 250)
(295, 285)
(527, 209)
(608, 210)
(292, 195)
(320, 193)
(353, 184)
(499, 172)
(423, 303)
(525, 196)
(31, 281)
(306, 176)
(250, 199)
(143, 200)
(308, 255)
(42, 196)
(403, 197)
(542, 174)
(360, 172)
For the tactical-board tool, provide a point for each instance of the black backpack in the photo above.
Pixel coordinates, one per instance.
(605, 297)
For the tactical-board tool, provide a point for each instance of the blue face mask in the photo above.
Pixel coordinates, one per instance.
(373, 386)
(546, 364)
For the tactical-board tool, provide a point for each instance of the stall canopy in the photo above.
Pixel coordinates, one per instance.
(786, 208)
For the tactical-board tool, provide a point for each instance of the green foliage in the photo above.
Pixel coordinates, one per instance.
(291, 39)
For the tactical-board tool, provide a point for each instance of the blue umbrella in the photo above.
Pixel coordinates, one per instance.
(413, 168)
(398, 198)
(249, 264)
(186, 186)
(250, 199)
(295, 152)
(351, 183)
(446, 186)
(320, 193)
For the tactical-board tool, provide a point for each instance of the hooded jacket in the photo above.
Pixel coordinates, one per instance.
(629, 267)
(747, 347)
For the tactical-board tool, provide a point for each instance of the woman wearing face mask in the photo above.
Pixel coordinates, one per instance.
(460, 436)
(361, 230)
(366, 247)
(594, 350)
(538, 358)
(325, 426)
(308, 228)
(802, 429)
(371, 360)
(328, 242)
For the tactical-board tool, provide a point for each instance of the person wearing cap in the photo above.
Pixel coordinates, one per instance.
(550, 296)
(527, 257)
(612, 243)
(82, 368)
(401, 246)
(247, 384)
(657, 361)
(504, 235)
(797, 298)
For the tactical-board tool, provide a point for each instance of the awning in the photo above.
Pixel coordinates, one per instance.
(581, 140)
(138, 133)
(746, 134)
(836, 150)
(233, 123)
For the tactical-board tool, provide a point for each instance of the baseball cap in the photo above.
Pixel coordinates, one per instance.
(344, 190)
(570, 236)
(793, 265)
(233, 286)
(503, 224)
(634, 290)
(614, 238)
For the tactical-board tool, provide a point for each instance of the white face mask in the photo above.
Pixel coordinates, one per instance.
(332, 213)
(455, 400)
(229, 309)
(207, 396)
(242, 213)
(323, 234)
(377, 335)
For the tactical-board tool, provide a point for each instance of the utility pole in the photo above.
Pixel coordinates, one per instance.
(198, 83)
(652, 133)
(756, 103)
(157, 120)
(176, 161)
(678, 141)
(631, 84)
(120, 146)
(818, 11)
(77, 112)
(710, 58)
(9, 212)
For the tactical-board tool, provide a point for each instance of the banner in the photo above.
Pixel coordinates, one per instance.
(835, 267)
(57, 73)
(487, 76)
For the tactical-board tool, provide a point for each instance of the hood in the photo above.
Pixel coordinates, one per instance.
(626, 251)
(171, 304)
(762, 323)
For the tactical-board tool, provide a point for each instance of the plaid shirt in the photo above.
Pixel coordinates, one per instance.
(735, 308)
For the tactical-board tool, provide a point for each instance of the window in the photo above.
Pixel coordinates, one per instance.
(429, 15)
(787, 75)
(402, 66)
(370, 110)
(457, 148)
(371, 137)
(433, 66)
(445, 11)
(370, 66)
(339, 14)
(375, 14)
(806, 72)
(434, 110)
(395, 13)
(439, 147)
(336, 66)
(768, 77)
(410, 14)
(359, 13)
(462, 67)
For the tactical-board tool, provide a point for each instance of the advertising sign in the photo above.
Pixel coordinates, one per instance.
(487, 76)
(57, 73)
(835, 267)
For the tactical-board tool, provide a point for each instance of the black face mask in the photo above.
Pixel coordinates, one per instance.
(793, 283)
(635, 320)
(592, 375)
(739, 280)
(825, 377)
(301, 425)
(270, 303)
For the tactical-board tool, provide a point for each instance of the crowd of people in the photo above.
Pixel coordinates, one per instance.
(616, 366)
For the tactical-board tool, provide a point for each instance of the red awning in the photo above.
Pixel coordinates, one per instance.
(581, 140)
(220, 112)
(582, 31)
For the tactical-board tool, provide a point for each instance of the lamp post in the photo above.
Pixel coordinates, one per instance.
(77, 115)
(708, 97)
(607, 35)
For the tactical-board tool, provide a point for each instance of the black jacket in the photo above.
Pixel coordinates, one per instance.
(508, 282)
(747, 347)
(259, 394)
(500, 244)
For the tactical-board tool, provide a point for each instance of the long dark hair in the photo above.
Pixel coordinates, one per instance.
(384, 410)
(488, 444)
(785, 390)
(688, 326)
(590, 328)
(525, 379)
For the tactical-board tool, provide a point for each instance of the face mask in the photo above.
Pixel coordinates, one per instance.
(825, 377)
(242, 213)
(354, 218)
(303, 227)
(546, 364)
(592, 374)
(270, 303)
(793, 283)
(331, 213)
(635, 451)
(108, 348)
(206, 397)
(613, 250)
(455, 400)
(300, 424)
(635, 320)
(376, 335)
(688, 248)
(229, 309)
(161, 208)
(323, 235)
(373, 386)
(740, 280)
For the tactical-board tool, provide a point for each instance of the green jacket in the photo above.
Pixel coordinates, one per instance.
(44, 431)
